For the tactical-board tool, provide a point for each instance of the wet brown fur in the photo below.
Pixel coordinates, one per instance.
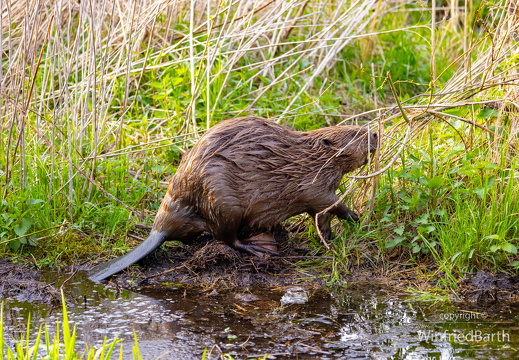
(247, 175)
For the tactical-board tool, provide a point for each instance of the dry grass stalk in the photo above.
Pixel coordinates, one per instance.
(89, 47)
(92, 47)
(492, 80)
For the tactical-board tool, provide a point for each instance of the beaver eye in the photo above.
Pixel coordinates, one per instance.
(326, 142)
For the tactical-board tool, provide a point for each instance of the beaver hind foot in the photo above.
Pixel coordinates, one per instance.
(258, 245)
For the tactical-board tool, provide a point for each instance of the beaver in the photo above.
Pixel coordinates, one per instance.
(247, 175)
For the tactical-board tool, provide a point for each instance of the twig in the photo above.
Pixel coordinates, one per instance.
(33, 233)
(162, 273)
(134, 237)
(462, 119)
(70, 277)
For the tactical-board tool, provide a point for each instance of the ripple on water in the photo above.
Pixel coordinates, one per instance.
(362, 321)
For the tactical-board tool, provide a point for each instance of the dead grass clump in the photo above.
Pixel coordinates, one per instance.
(211, 255)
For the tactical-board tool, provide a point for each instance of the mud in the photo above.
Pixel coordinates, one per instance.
(486, 286)
(19, 282)
(211, 263)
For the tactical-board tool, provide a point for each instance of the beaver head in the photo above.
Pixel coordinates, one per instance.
(346, 147)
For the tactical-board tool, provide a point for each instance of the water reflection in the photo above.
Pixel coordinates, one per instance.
(396, 327)
(359, 321)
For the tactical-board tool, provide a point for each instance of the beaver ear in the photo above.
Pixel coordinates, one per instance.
(326, 142)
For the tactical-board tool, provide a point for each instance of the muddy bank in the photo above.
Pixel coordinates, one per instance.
(213, 265)
(20, 282)
(486, 286)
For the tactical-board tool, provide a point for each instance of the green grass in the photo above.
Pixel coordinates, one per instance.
(453, 205)
(97, 110)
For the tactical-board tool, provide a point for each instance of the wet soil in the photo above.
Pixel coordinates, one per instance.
(486, 286)
(213, 265)
(20, 282)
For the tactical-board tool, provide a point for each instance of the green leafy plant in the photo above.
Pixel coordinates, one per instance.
(17, 221)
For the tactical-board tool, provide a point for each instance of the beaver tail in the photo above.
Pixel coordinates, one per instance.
(105, 270)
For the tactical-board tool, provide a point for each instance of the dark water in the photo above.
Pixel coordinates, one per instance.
(352, 322)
